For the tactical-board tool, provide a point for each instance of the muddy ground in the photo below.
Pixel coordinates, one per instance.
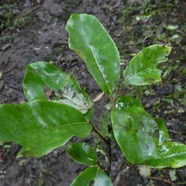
(35, 31)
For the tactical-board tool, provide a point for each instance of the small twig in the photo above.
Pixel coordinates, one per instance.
(176, 132)
(109, 151)
(160, 179)
(11, 67)
(14, 87)
(179, 31)
(166, 181)
(100, 135)
(2, 83)
(35, 35)
(108, 142)
(28, 12)
(45, 172)
(102, 168)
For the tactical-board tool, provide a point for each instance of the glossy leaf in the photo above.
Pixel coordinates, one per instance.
(163, 132)
(170, 154)
(142, 139)
(102, 179)
(82, 153)
(86, 177)
(92, 174)
(134, 130)
(142, 68)
(46, 81)
(41, 126)
(93, 44)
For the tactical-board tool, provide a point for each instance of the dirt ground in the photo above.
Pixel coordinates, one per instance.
(35, 31)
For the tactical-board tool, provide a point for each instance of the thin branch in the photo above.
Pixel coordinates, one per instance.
(177, 132)
(102, 168)
(109, 151)
(166, 181)
(108, 142)
(100, 135)
(160, 179)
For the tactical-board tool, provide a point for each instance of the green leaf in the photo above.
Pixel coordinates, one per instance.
(102, 179)
(94, 45)
(46, 81)
(85, 177)
(41, 126)
(142, 68)
(92, 174)
(163, 132)
(170, 154)
(82, 153)
(134, 130)
(142, 139)
(171, 27)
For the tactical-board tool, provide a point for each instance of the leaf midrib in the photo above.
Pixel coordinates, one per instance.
(43, 128)
(99, 70)
(140, 72)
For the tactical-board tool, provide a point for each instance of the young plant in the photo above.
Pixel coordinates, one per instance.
(58, 108)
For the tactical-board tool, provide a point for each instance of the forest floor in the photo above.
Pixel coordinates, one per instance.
(33, 31)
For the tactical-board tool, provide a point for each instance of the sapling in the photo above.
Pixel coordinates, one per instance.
(58, 108)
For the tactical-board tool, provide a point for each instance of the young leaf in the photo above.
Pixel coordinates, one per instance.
(93, 44)
(142, 68)
(82, 153)
(92, 174)
(46, 81)
(137, 135)
(41, 126)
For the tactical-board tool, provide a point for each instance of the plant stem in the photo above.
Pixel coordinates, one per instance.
(109, 151)
(102, 167)
(100, 135)
(108, 142)
(111, 98)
